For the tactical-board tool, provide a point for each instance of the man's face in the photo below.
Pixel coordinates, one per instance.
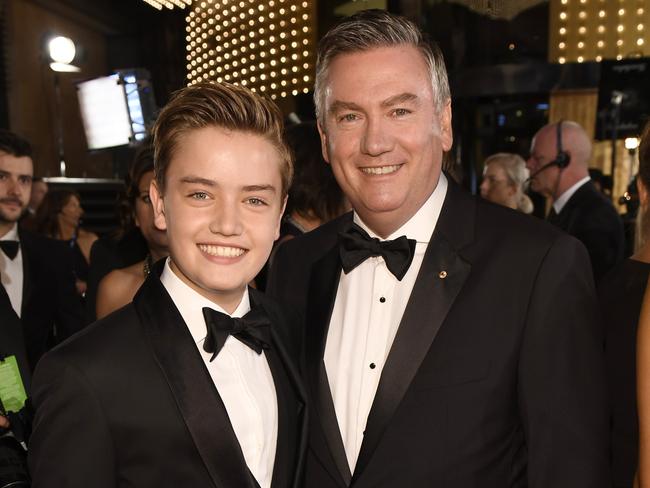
(543, 150)
(15, 186)
(221, 208)
(39, 190)
(381, 133)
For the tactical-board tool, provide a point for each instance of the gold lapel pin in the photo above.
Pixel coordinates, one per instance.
(442, 275)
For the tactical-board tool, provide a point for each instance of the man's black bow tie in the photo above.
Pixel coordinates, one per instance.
(10, 248)
(252, 329)
(356, 246)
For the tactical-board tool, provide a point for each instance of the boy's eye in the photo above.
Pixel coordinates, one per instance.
(199, 195)
(145, 198)
(256, 201)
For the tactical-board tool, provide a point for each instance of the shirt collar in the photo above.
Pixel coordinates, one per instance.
(12, 235)
(420, 227)
(559, 204)
(190, 303)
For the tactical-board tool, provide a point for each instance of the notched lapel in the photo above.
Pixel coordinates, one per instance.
(197, 398)
(440, 279)
(323, 286)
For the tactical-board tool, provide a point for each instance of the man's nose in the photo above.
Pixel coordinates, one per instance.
(378, 138)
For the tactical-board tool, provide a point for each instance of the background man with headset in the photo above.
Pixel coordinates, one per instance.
(559, 167)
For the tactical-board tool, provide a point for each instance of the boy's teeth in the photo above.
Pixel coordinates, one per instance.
(381, 170)
(222, 251)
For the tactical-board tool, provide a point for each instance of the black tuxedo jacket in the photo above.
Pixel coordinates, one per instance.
(495, 376)
(128, 402)
(591, 218)
(51, 311)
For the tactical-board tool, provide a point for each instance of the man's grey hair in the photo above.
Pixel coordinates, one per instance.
(371, 29)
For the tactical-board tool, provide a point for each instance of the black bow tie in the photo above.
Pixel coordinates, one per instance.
(356, 246)
(252, 329)
(10, 248)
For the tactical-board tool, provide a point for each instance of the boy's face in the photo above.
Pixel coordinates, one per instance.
(221, 208)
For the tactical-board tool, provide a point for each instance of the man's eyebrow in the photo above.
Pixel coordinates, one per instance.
(397, 99)
(269, 188)
(8, 173)
(340, 105)
(198, 180)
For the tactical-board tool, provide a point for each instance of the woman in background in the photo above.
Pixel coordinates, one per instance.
(641, 271)
(504, 179)
(118, 287)
(59, 217)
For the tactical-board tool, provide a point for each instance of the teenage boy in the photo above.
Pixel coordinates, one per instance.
(191, 384)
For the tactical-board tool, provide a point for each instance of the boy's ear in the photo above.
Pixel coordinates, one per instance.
(158, 204)
(279, 224)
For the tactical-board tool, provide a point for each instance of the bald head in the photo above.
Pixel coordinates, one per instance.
(554, 180)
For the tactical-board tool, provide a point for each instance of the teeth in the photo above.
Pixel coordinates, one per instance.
(381, 170)
(222, 251)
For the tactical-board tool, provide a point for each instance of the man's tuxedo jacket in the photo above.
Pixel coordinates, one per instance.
(128, 402)
(51, 311)
(591, 218)
(495, 376)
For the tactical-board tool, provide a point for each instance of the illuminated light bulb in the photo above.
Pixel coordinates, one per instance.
(564, 2)
(619, 42)
(305, 16)
(292, 20)
(283, 71)
(260, 7)
(272, 27)
(273, 86)
(242, 38)
(305, 4)
(251, 22)
(262, 54)
(639, 27)
(582, 29)
(189, 67)
(283, 94)
(562, 31)
(273, 96)
(244, 82)
(305, 42)
(583, 1)
(581, 45)
(621, 11)
(262, 77)
(601, 43)
(282, 11)
(262, 65)
(580, 59)
(619, 57)
(219, 69)
(305, 29)
(601, 28)
(188, 38)
(305, 78)
(563, 15)
(283, 83)
(561, 45)
(582, 14)
(602, 14)
(273, 62)
(272, 50)
(305, 66)
(561, 60)
(639, 42)
(620, 28)
(599, 58)
(305, 90)
(294, 92)
(305, 53)
(293, 8)
(262, 88)
(261, 30)
(639, 11)
(273, 74)
(294, 69)
(271, 15)
(294, 32)
(294, 56)
(262, 42)
(272, 39)
(253, 89)
(283, 47)
(283, 59)
(282, 23)
(282, 35)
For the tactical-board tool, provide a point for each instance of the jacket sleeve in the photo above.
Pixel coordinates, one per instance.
(561, 381)
(71, 444)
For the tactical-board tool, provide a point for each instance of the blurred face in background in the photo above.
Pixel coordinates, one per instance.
(39, 190)
(144, 218)
(71, 212)
(497, 187)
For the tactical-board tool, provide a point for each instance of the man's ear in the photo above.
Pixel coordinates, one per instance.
(279, 224)
(158, 203)
(446, 132)
(323, 141)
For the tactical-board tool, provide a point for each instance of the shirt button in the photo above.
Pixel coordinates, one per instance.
(372, 366)
(382, 299)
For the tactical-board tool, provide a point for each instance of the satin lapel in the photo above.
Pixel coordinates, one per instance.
(291, 398)
(323, 285)
(197, 398)
(433, 295)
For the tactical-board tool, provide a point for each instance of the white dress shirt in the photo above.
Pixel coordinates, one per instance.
(242, 378)
(562, 200)
(11, 272)
(367, 312)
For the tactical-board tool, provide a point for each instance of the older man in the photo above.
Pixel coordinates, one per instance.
(559, 166)
(448, 342)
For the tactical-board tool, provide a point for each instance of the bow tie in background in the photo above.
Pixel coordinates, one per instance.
(355, 246)
(10, 248)
(252, 329)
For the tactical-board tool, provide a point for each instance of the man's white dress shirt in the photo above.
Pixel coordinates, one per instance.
(11, 272)
(562, 200)
(242, 378)
(367, 312)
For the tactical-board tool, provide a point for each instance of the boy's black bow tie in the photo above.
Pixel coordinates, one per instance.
(252, 329)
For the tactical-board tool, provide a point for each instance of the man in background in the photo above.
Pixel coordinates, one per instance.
(559, 168)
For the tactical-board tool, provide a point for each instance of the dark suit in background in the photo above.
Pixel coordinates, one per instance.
(51, 310)
(495, 377)
(129, 402)
(591, 218)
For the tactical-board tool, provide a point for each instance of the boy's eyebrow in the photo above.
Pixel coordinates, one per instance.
(397, 99)
(199, 180)
(270, 188)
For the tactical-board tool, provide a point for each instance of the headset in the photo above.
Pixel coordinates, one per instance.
(562, 159)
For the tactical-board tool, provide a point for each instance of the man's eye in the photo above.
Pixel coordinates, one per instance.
(348, 118)
(146, 199)
(401, 112)
(199, 195)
